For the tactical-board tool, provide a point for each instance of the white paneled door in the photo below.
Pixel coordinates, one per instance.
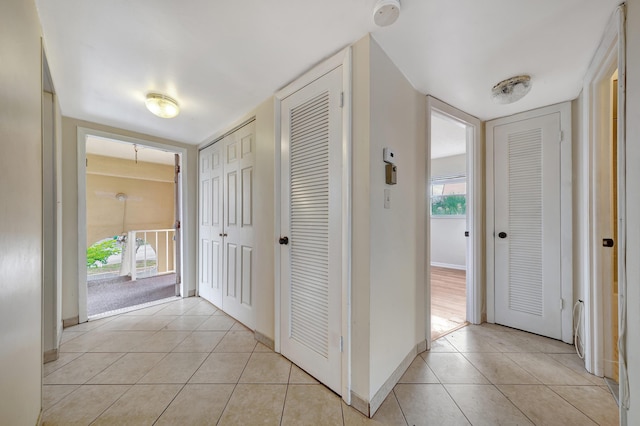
(226, 224)
(527, 237)
(311, 233)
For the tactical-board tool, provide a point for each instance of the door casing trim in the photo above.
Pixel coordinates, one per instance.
(474, 151)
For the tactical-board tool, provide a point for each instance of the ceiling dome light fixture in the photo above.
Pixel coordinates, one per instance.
(511, 90)
(386, 12)
(162, 105)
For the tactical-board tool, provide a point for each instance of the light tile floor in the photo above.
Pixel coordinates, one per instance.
(186, 363)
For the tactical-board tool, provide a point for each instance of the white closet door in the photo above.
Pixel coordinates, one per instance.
(239, 156)
(311, 170)
(527, 225)
(210, 216)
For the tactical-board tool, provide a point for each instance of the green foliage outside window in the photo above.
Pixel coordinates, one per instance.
(447, 205)
(98, 254)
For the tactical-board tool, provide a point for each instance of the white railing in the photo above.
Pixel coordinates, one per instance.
(163, 250)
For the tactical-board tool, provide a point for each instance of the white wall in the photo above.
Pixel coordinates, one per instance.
(632, 417)
(70, 210)
(449, 166)
(21, 213)
(448, 243)
(398, 121)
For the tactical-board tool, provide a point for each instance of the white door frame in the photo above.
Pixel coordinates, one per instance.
(82, 134)
(474, 211)
(595, 125)
(342, 58)
(566, 211)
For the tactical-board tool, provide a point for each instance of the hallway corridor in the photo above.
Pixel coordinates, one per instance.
(187, 363)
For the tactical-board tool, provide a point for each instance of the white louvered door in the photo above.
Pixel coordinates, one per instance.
(311, 170)
(527, 225)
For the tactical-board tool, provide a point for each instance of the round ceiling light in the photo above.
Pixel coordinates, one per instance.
(386, 12)
(511, 90)
(162, 105)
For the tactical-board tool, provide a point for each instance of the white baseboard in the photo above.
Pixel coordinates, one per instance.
(449, 266)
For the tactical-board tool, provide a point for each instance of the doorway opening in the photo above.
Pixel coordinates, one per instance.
(132, 246)
(454, 264)
(448, 217)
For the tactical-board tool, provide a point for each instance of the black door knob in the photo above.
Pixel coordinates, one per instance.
(502, 235)
(284, 240)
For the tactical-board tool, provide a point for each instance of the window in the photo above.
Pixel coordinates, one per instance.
(449, 196)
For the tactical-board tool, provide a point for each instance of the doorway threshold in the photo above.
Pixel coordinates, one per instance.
(132, 308)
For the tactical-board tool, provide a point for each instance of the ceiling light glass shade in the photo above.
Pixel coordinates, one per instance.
(386, 12)
(511, 89)
(162, 105)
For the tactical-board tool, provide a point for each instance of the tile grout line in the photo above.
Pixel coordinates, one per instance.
(286, 392)
(235, 385)
(570, 403)
(404, 416)
(514, 404)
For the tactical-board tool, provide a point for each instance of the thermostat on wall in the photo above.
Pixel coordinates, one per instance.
(388, 155)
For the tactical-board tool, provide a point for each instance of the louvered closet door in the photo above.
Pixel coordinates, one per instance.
(311, 218)
(210, 218)
(527, 225)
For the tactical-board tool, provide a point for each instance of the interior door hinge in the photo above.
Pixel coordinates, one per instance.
(341, 99)
(561, 303)
(341, 344)
(177, 169)
(561, 136)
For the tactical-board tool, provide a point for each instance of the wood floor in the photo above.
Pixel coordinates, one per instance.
(448, 300)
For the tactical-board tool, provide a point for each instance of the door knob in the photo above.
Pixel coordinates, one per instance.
(607, 242)
(284, 240)
(502, 235)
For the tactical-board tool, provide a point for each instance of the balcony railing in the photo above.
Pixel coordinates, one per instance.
(153, 252)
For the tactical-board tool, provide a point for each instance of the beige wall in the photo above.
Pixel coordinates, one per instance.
(70, 308)
(360, 224)
(633, 206)
(264, 205)
(150, 203)
(387, 289)
(397, 241)
(21, 213)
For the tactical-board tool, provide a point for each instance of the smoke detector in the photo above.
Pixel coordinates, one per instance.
(511, 90)
(386, 12)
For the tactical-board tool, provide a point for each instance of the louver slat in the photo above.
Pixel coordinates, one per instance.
(525, 222)
(309, 196)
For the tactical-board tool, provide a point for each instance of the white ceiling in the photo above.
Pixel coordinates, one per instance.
(127, 151)
(220, 59)
(448, 137)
